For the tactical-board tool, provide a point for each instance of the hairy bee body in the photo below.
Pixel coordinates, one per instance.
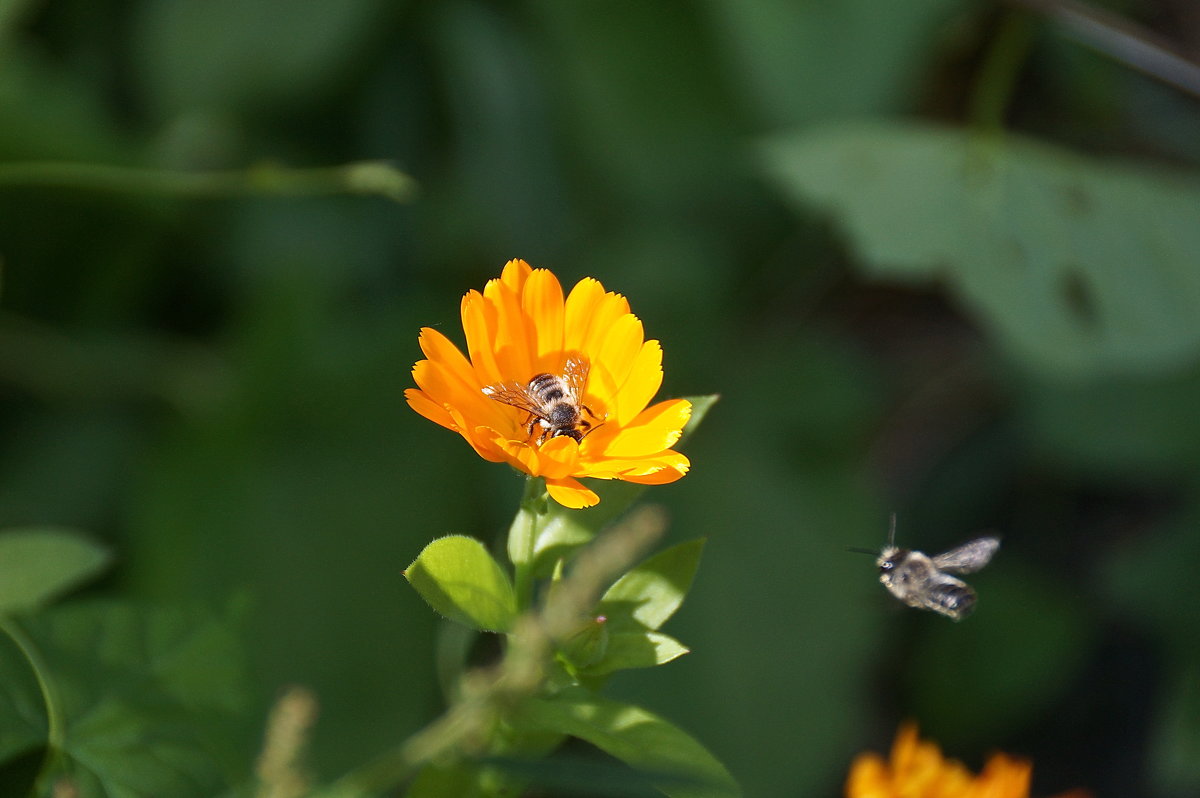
(926, 583)
(554, 403)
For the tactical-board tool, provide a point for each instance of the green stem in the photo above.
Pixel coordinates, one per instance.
(998, 75)
(367, 177)
(522, 538)
(56, 724)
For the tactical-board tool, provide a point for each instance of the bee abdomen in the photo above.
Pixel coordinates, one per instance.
(547, 387)
(956, 600)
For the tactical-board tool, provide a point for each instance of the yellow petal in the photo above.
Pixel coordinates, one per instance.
(515, 273)
(658, 470)
(641, 384)
(482, 447)
(440, 348)
(558, 457)
(431, 410)
(571, 493)
(589, 313)
(577, 313)
(656, 428)
(869, 778)
(479, 325)
(615, 355)
(514, 333)
(519, 454)
(542, 302)
(605, 316)
(444, 387)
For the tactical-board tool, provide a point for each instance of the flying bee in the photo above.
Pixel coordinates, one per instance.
(554, 403)
(925, 582)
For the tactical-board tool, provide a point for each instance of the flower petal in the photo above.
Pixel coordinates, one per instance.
(640, 385)
(443, 387)
(514, 336)
(589, 313)
(441, 349)
(605, 315)
(519, 454)
(542, 303)
(515, 273)
(571, 493)
(479, 324)
(658, 469)
(614, 357)
(655, 429)
(577, 314)
(559, 457)
(428, 408)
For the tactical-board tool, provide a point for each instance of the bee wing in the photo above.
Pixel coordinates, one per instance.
(948, 596)
(969, 557)
(575, 375)
(514, 394)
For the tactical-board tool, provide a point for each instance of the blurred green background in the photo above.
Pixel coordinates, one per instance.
(900, 313)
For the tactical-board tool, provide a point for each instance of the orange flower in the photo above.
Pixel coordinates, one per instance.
(918, 770)
(521, 327)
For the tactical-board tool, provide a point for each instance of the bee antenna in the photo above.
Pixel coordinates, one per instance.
(859, 550)
(892, 530)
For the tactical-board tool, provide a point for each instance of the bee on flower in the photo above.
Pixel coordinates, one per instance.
(558, 388)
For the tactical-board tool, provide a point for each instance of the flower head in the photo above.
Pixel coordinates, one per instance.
(917, 769)
(556, 388)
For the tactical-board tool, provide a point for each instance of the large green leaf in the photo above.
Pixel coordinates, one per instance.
(38, 564)
(650, 593)
(461, 580)
(633, 735)
(638, 649)
(1077, 265)
(143, 702)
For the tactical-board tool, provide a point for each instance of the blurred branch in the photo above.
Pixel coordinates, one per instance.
(279, 770)
(270, 179)
(1121, 40)
(52, 365)
(488, 694)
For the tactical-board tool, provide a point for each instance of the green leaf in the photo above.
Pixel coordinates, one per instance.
(1078, 266)
(462, 581)
(37, 565)
(700, 407)
(633, 735)
(588, 646)
(643, 649)
(651, 593)
(141, 702)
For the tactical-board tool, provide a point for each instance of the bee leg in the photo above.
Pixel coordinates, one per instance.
(533, 422)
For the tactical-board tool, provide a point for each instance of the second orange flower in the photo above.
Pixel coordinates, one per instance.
(526, 347)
